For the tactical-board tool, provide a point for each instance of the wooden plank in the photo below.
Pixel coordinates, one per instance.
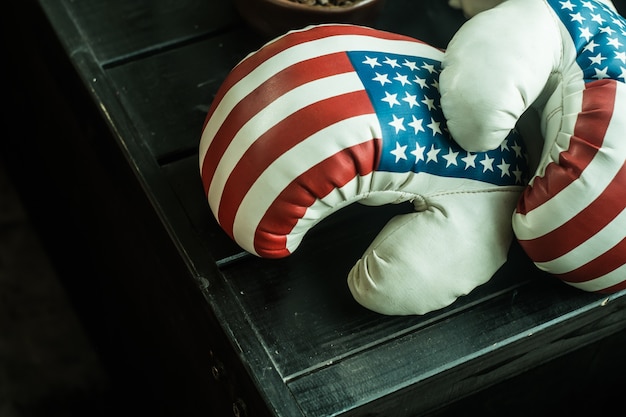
(184, 178)
(302, 309)
(119, 30)
(168, 95)
(421, 371)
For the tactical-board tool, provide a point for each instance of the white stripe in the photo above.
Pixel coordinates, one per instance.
(612, 278)
(582, 192)
(274, 113)
(299, 53)
(295, 162)
(590, 249)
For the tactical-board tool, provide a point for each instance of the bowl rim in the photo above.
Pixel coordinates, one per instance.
(294, 5)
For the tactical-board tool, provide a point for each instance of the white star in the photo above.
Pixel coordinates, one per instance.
(470, 160)
(623, 74)
(391, 62)
(597, 18)
(391, 99)
(429, 102)
(607, 29)
(504, 145)
(420, 81)
(588, 5)
(487, 163)
(577, 17)
(504, 167)
(381, 78)
(416, 124)
(429, 67)
(567, 5)
(617, 22)
(411, 99)
(518, 175)
(399, 152)
(621, 56)
(450, 157)
(398, 123)
(434, 126)
(432, 154)
(410, 64)
(435, 84)
(590, 46)
(372, 62)
(585, 33)
(402, 78)
(600, 74)
(597, 59)
(614, 42)
(517, 149)
(418, 152)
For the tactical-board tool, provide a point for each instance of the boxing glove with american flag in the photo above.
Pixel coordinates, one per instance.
(567, 60)
(335, 114)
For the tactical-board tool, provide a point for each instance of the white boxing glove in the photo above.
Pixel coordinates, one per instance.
(567, 59)
(334, 114)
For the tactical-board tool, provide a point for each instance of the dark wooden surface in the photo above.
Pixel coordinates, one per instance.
(122, 89)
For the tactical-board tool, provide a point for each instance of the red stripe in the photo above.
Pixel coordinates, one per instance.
(602, 265)
(591, 126)
(279, 139)
(319, 181)
(583, 226)
(267, 92)
(292, 39)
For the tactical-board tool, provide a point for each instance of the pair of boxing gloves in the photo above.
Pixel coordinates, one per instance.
(330, 115)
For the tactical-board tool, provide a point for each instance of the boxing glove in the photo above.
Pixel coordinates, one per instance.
(567, 61)
(330, 115)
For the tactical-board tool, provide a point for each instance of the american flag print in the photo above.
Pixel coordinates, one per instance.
(571, 219)
(329, 115)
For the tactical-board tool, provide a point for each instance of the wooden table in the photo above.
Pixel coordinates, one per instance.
(191, 324)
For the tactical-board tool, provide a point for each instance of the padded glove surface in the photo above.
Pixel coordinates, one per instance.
(334, 114)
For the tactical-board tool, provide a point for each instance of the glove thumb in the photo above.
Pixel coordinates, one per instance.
(424, 261)
(494, 68)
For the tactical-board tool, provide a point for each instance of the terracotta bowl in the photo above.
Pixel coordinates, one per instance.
(276, 17)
